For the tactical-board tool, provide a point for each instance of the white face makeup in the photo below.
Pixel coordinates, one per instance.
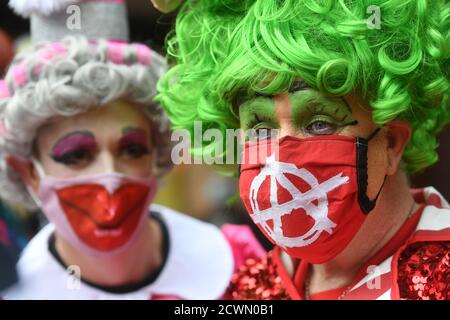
(114, 138)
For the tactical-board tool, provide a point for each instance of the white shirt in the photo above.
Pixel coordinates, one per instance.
(199, 265)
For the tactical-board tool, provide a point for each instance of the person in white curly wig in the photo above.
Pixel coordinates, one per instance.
(82, 139)
(70, 78)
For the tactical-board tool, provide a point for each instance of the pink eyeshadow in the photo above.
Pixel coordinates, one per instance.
(73, 142)
(134, 136)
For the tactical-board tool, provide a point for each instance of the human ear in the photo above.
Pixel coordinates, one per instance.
(398, 135)
(26, 171)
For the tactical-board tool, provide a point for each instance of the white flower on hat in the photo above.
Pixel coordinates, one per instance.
(45, 7)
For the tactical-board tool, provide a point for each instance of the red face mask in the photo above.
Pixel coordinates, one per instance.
(102, 220)
(100, 214)
(308, 196)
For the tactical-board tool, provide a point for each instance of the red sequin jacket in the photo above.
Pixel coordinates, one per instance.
(415, 266)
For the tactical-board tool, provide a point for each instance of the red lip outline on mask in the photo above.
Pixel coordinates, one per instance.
(102, 220)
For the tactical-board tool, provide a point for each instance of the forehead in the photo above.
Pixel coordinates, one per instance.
(108, 119)
(300, 97)
(244, 95)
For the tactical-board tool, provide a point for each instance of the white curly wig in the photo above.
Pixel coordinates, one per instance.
(68, 78)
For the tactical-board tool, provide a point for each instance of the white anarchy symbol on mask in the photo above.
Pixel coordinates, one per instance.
(277, 171)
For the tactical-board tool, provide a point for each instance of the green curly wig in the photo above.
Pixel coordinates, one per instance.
(225, 48)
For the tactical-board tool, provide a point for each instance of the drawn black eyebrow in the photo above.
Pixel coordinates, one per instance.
(263, 95)
(347, 105)
(309, 108)
(298, 85)
(239, 101)
(343, 118)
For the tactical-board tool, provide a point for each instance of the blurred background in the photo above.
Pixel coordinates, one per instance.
(196, 190)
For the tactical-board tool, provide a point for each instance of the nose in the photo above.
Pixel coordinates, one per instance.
(107, 163)
(283, 113)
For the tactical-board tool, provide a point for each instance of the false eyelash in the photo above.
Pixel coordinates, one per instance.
(317, 112)
(351, 123)
(65, 158)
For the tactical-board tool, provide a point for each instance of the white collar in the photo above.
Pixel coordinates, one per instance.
(434, 218)
(199, 266)
(200, 261)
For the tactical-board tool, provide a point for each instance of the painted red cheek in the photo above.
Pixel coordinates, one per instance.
(103, 221)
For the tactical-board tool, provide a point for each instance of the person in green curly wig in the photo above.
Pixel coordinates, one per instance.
(354, 95)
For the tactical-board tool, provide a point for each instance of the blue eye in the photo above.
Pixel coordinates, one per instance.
(320, 127)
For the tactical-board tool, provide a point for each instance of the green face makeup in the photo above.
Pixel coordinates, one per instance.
(258, 113)
(313, 113)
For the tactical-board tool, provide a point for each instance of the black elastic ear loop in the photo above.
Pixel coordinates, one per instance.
(381, 188)
(373, 134)
(365, 203)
